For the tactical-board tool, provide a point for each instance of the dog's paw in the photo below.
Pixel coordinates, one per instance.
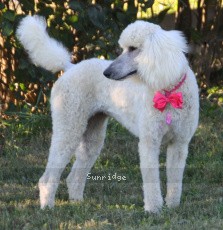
(154, 207)
(75, 194)
(46, 203)
(173, 195)
(172, 204)
(153, 210)
(46, 195)
(46, 206)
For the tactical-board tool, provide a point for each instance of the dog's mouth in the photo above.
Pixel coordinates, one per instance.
(128, 75)
(112, 76)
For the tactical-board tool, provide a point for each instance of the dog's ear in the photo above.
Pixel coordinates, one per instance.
(162, 60)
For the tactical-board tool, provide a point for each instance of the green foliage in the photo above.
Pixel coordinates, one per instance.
(216, 94)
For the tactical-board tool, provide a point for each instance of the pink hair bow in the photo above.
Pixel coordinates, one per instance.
(175, 99)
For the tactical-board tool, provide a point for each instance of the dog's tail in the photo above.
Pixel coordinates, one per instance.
(43, 50)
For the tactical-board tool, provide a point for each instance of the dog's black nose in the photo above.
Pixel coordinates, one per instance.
(107, 73)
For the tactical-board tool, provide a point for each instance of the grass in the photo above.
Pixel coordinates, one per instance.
(110, 204)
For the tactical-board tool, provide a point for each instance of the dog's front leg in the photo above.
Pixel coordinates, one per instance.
(176, 159)
(149, 165)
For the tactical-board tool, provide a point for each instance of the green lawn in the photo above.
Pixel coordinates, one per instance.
(110, 204)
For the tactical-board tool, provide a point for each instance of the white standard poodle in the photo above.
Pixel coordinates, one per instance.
(158, 103)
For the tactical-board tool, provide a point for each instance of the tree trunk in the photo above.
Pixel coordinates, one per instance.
(183, 18)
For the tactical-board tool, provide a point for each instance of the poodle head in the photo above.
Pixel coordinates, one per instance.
(156, 55)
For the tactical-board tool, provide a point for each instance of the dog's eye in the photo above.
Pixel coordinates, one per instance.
(131, 48)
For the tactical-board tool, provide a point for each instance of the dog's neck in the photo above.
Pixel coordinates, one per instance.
(167, 87)
(176, 87)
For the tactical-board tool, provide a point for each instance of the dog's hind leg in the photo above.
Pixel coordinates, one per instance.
(86, 155)
(176, 160)
(65, 140)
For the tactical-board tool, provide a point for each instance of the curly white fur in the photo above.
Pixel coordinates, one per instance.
(42, 47)
(82, 98)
